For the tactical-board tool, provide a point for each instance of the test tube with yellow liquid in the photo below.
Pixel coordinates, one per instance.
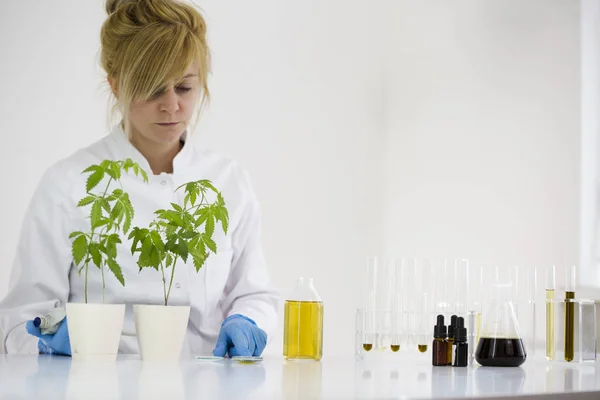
(303, 323)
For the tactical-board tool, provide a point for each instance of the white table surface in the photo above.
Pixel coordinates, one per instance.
(409, 376)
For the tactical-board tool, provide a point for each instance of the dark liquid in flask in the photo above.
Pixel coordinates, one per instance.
(498, 352)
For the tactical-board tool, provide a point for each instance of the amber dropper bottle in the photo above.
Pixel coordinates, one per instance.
(440, 345)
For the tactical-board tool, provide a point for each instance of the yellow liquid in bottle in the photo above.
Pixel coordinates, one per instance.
(422, 348)
(569, 325)
(550, 351)
(303, 330)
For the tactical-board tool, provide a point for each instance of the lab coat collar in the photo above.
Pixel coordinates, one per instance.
(127, 150)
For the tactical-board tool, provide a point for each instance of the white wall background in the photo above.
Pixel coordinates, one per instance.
(399, 127)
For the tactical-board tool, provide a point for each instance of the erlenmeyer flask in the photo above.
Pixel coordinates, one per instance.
(501, 344)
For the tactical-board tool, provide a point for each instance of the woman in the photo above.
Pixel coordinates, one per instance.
(157, 61)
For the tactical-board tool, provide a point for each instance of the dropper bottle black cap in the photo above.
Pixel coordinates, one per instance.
(460, 332)
(439, 330)
(451, 327)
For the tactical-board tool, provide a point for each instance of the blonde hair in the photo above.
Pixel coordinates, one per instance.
(146, 43)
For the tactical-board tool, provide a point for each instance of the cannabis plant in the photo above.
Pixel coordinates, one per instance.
(111, 213)
(181, 232)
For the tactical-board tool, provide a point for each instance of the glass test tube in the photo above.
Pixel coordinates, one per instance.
(474, 289)
(424, 320)
(461, 285)
(550, 311)
(528, 315)
(370, 304)
(396, 304)
(422, 303)
(444, 283)
(409, 278)
(570, 314)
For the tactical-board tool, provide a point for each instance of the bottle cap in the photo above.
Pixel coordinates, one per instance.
(452, 326)
(460, 332)
(439, 330)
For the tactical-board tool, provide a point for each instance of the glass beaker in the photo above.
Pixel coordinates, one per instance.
(303, 323)
(501, 344)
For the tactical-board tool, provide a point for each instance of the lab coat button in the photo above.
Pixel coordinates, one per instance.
(177, 285)
(163, 182)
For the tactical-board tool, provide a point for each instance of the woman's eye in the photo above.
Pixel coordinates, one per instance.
(157, 93)
(184, 89)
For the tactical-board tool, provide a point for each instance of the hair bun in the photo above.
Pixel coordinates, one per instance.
(112, 5)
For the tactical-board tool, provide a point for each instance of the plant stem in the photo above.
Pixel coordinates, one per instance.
(172, 275)
(103, 281)
(86, 280)
(162, 269)
(101, 266)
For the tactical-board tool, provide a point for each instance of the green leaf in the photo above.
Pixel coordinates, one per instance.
(117, 212)
(105, 204)
(171, 244)
(182, 249)
(102, 222)
(79, 248)
(86, 200)
(199, 260)
(210, 243)
(156, 239)
(202, 214)
(223, 216)
(169, 260)
(96, 214)
(129, 212)
(116, 169)
(111, 245)
(187, 234)
(115, 195)
(73, 234)
(177, 207)
(209, 228)
(111, 173)
(96, 257)
(116, 270)
(205, 183)
(144, 175)
(105, 164)
(127, 165)
(91, 168)
(147, 245)
(94, 179)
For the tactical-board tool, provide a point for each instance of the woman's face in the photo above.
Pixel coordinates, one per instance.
(163, 118)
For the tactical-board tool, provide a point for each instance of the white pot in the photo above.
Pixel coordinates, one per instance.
(95, 330)
(160, 331)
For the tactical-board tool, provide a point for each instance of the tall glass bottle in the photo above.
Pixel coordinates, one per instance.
(303, 323)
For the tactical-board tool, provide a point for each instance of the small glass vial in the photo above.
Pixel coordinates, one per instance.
(303, 323)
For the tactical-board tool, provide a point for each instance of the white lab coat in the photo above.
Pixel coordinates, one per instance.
(235, 281)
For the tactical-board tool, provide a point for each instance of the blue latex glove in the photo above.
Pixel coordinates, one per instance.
(240, 336)
(57, 343)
